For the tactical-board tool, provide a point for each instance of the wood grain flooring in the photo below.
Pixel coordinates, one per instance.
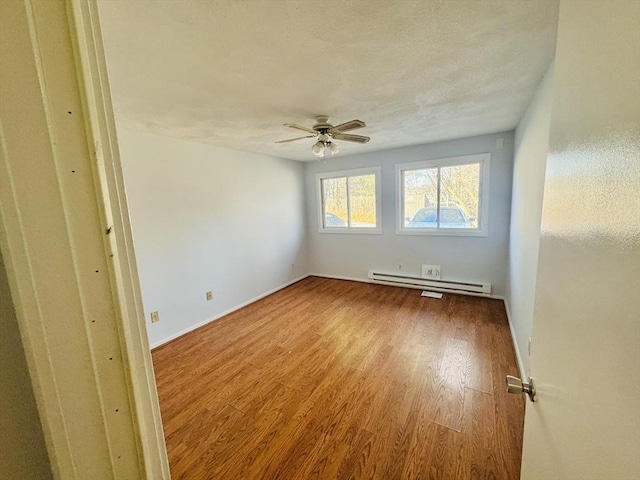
(330, 379)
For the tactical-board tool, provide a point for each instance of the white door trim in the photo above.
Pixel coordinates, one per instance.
(66, 241)
(97, 98)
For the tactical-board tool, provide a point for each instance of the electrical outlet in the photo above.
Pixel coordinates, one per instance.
(209, 296)
(399, 266)
(431, 271)
(155, 317)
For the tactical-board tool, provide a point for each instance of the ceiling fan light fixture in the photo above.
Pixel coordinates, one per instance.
(332, 147)
(318, 149)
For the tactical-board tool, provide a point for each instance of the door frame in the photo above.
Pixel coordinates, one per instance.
(137, 422)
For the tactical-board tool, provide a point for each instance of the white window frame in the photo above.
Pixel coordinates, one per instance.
(483, 209)
(350, 173)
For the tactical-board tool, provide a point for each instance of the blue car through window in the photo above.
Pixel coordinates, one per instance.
(450, 217)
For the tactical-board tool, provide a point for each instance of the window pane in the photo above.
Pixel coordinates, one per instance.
(362, 200)
(350, 202)
(334, 197)
(420, 198)
(459, 196)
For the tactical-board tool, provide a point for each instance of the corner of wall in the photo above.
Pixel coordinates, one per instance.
(523, 372)
(530, 155)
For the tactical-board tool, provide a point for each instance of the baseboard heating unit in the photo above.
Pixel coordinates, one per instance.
(465, 288)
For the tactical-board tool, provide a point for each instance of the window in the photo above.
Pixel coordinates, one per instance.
(349, 201)
(444, 197)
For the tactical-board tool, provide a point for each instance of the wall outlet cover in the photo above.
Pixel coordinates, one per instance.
(431, 271)
(155, 317)
(209, 296)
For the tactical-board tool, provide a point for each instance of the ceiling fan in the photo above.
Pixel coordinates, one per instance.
(327, 132)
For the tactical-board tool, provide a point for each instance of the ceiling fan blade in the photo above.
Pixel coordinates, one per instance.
(351, 138)
(294, 139)
(345, 127)
(300, 127)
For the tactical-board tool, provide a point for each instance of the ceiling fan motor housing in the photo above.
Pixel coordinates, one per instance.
(322, 124)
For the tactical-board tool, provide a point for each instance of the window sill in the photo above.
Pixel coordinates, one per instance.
(354, 230)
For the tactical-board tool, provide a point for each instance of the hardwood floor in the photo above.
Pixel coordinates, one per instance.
(332, 379)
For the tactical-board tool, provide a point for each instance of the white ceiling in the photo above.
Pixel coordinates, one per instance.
(231, 72)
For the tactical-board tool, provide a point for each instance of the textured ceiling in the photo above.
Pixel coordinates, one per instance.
(231, 72)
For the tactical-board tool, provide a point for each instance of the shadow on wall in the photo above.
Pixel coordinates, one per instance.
(23, 454)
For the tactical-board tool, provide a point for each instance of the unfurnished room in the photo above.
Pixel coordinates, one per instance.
(288, 239)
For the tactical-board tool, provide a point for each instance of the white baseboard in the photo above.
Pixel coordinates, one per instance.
(523, 374)
(226, 312)
(340, 277)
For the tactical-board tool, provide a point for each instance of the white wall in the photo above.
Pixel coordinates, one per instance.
(530, 159)
(208, 218)
(461, 258)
